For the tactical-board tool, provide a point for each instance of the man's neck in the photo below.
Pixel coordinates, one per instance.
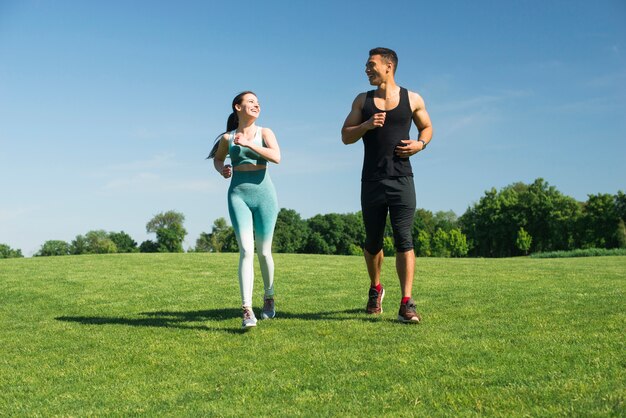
(387, 89)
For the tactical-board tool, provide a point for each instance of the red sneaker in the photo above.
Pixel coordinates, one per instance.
(375, 301)
(407, 313)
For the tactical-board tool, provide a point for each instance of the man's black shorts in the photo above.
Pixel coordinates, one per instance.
(395, 196)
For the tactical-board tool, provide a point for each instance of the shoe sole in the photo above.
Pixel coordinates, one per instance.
(265, 316)
(408, 321)
(246, 326)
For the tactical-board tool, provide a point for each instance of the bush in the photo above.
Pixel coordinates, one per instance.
(440, 244)
(389, 248)
(54, 248)
(457, 243)
(123, 242)
(523, 241)
(587, 252)
(8, 252)
(422, 244)
(149, 246)
(355, 250)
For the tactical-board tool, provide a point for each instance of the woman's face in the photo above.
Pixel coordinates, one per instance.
(249, 106)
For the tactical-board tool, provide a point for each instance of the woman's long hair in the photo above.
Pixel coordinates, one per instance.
(231, 124)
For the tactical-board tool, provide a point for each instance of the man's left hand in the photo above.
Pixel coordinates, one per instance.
(408, 147)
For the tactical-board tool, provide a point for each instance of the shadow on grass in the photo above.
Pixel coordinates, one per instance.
(181, 320)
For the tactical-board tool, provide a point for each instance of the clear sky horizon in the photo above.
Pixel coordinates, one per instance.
(108, 109)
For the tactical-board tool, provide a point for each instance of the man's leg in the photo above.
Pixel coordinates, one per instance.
(405, 266)
(374, 265)
(402, 212)
(374, 211)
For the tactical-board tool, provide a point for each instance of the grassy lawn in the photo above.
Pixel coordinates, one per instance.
(159, 335)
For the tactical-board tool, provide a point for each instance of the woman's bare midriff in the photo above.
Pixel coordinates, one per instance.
(250, 167)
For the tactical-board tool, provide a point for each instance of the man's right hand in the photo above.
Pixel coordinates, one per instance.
(376, 121)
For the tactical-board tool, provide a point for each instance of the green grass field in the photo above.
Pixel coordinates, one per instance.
(159, 335)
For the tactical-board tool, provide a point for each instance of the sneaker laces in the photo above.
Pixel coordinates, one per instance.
(411, 306)
(373, 297)
(246, 313)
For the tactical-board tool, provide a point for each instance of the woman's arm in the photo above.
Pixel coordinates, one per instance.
(220, 156)
(271, 150)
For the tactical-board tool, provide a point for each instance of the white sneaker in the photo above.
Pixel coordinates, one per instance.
(269, 311)
(249, 320)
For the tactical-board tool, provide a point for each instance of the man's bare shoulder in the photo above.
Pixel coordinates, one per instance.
(416, 101)
(360, 99)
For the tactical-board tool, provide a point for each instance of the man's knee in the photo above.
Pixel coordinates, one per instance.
(373, 249)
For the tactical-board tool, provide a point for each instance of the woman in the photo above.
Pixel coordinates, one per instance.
(252, 203)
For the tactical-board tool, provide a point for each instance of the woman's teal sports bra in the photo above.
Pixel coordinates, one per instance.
(242, 155)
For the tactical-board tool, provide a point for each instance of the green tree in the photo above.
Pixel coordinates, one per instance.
(422, 244)
(601, 221)
(316, 244)
(440, 244)
(356, 250)
(123, 242)
(620, 234)
(445, 220)
(78, 245)
(620, 205)
(291, 232)
(93, 242)
(334, 233)
(457, 243)
(389, 248)
(168, 227)
(8, 252)
(491, 225)
(550, 217)
(423, 221)
(523, 241)
(98, 242)
(149, 246)
(203, 243)
(53, 248)
(220, 239)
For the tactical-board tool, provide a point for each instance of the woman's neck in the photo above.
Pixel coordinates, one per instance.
(246, 126)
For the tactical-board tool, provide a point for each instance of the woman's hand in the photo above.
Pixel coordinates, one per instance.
(241, 140)
(227, 171)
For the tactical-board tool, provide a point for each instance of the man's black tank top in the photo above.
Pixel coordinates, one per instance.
(380, 161)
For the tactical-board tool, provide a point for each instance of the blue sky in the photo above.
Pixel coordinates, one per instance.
(107, 109)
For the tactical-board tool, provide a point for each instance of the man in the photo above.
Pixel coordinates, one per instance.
(382, 117)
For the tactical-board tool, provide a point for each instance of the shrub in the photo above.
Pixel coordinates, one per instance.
(8, 252)
(54, 248)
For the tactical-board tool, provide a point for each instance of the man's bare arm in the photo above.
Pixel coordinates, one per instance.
(421, 119)
(353, 128)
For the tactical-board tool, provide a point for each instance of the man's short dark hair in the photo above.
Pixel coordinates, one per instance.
(387, 54)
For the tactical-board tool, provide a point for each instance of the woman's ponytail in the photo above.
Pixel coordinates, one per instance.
(231, 125)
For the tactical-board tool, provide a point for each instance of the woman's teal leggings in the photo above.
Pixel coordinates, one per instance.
(253, 210)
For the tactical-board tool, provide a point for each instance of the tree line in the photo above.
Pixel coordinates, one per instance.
(517, 220)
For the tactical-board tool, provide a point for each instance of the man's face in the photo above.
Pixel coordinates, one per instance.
(377, 70)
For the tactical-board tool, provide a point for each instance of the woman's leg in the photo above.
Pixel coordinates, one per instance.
(264, 218)
(241, 218)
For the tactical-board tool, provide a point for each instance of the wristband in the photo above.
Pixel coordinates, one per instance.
(423, 142)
